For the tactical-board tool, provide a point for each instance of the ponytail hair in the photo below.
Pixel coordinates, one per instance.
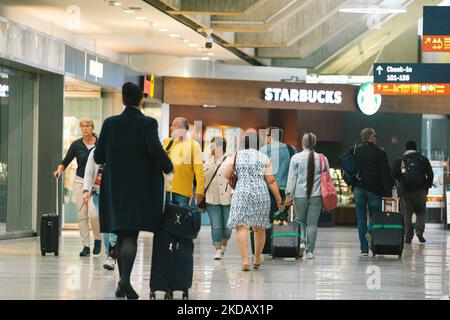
(309, 141)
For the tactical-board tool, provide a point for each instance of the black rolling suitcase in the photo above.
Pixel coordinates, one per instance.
(172, 265)
(387, 233)
(50, 230)
(286, 239)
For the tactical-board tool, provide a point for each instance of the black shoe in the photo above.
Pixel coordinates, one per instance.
(86, 252)
(97, 247)
(421, 238)
(127, 291)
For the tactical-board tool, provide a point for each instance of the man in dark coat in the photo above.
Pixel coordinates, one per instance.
(416, 176)
(132, 186)
(374, 183)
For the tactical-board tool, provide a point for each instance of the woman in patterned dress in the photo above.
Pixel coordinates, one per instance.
(250, 205)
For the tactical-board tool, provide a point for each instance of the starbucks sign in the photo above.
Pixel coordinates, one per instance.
(368, 101)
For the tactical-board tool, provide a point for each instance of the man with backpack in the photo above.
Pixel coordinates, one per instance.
(415, 175)
(366, 170)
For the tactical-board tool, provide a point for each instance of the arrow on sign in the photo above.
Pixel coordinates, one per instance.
(379, 69)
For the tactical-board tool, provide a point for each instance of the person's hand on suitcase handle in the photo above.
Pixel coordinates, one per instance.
(58, 171)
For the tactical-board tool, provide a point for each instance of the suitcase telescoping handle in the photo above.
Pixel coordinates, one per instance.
(57, 196)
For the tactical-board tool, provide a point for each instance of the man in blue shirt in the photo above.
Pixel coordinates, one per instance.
(280, 155)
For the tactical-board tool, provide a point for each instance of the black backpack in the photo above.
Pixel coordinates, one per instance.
(350, 167)
(413, 175)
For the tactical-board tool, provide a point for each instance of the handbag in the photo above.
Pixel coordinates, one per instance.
(329, 195)
(232, 182)
(182, 222)
(202, 204)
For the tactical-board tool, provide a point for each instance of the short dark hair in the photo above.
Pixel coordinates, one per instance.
(270, 133)
(250, 140)
(411, 145)
(131, 94)
(220, 142)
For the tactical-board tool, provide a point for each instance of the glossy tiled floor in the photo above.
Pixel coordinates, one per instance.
(337, 272)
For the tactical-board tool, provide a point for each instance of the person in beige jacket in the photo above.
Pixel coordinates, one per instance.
(218, 195)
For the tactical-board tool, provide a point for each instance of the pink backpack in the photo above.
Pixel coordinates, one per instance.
(329, 195)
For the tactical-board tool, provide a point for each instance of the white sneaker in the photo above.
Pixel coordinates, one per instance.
(223, 251)
(302, 250)
(310, 255)
(218, 255)
(109, 264)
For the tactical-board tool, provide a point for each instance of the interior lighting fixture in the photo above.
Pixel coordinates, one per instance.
(115, 3)
(129, 11)
(210, 53)
(185, 40)
(174, 35)
(193, 44)
(205, 58)
(141, 18)
(368, 9)
(163, 30)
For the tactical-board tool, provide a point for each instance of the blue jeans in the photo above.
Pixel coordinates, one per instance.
(178, 198)
(307, 213)
(364, 199)
(219, 218)
(109, 239)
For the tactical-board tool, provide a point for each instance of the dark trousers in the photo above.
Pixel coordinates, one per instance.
(414, 202)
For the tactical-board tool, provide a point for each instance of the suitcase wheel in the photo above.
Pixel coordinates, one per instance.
(168, 296)
(152, 296)
(56, 253)
(185, 295)
(43, 253)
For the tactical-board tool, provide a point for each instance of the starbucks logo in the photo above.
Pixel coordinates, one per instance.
(368, 101)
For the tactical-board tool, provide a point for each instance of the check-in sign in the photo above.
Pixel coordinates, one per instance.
(436, 29)
(412, 79)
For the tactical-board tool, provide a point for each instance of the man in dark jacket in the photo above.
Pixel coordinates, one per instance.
(415, 175)
(131, 193)
(374, 182)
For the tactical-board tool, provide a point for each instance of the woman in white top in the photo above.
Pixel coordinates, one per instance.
(90, 175)
(304, 187)
(218, 196)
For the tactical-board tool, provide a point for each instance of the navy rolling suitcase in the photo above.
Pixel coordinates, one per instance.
(172, 265)
(387, 233)
(50, 226)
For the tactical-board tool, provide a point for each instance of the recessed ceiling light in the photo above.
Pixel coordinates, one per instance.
(174, 35)
(141, 18)
(115, 3)
(205, 58)
(163, 29)
(200, 49)
(381, 9)
(185, 40)
(154, 24)
(193, 44)
(129, 11)
(210, 53)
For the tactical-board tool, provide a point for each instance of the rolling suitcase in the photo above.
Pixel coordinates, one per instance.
(387, 233)
(286, 240)
(172, 265)
(50, 230)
